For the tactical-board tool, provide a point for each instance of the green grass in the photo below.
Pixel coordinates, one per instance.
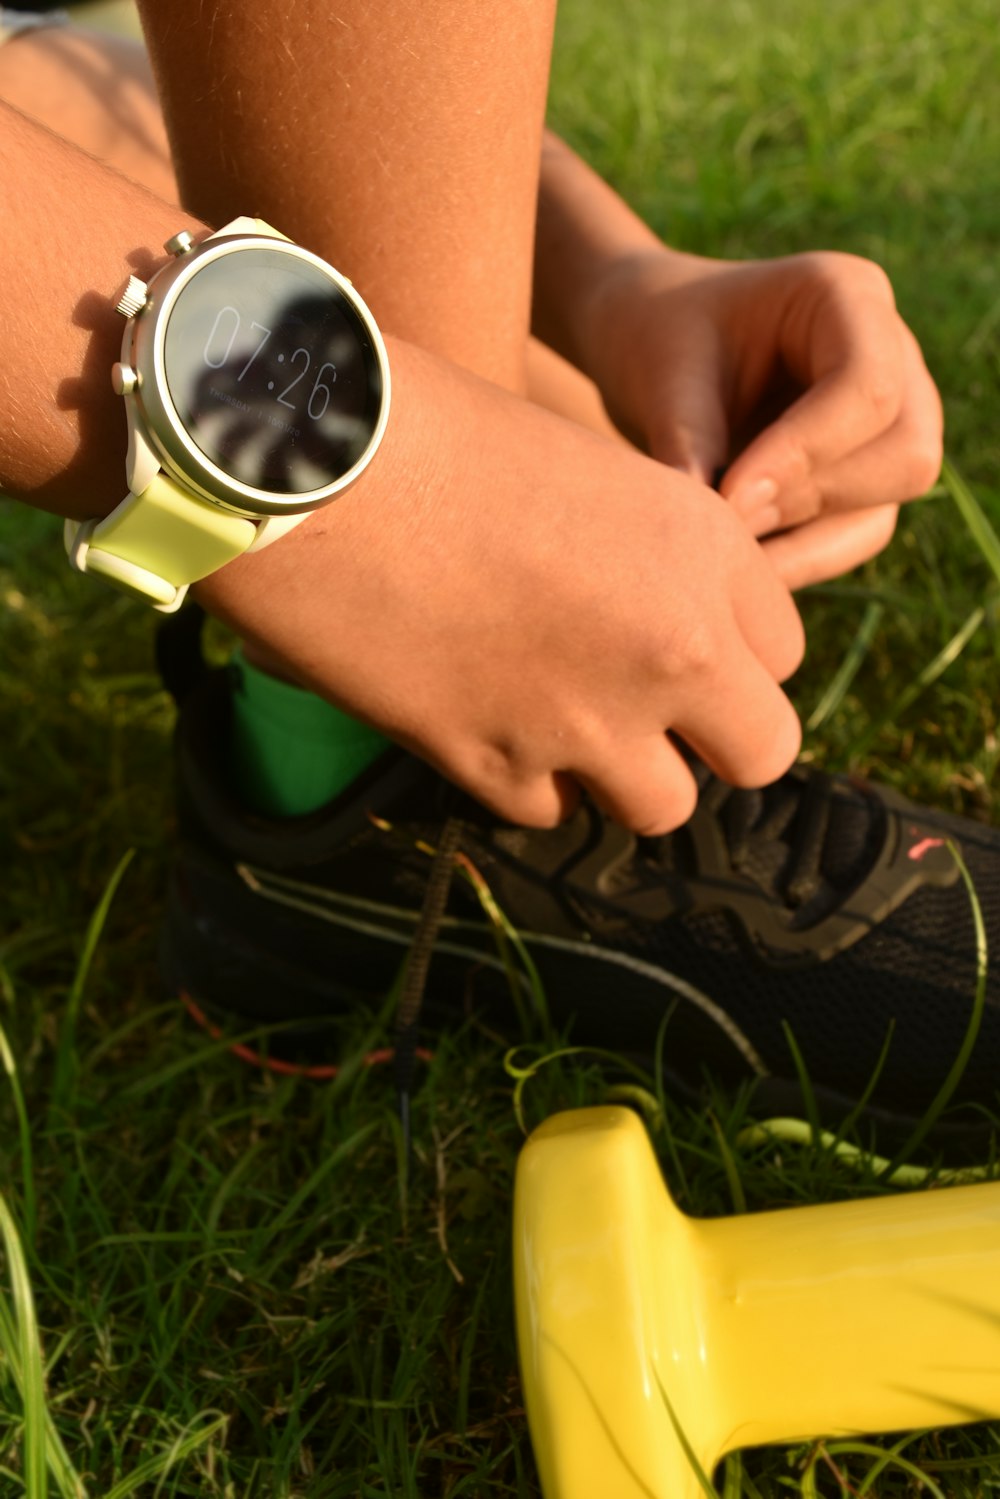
(232, 1301)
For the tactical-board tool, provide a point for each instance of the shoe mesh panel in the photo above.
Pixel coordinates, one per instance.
(918, 966)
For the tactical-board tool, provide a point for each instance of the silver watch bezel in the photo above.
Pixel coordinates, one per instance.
(159, 421)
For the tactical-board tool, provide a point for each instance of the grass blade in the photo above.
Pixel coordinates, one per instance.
(704, 1482)
(805, 1082)
(20, 1347)
(24, 1132)
(63, 1080)
(849, 667)
(974, 516)
(32, 1381)
(895, 1459)
(960, 1063)
(944, 658)
(157, 1467)
(736, 1191)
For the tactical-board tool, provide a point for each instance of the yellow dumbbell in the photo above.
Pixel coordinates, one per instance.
(646, 1335)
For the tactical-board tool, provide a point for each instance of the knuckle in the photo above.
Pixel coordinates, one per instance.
(796, 466)
(801, 505)
(840, 269)
(827, 267)
(924, 464)
(872, 279)
(497, 763)
(495, 773)
(696, 650)
(517, 781)
(791, 458)
(671, 811)
(881, 391)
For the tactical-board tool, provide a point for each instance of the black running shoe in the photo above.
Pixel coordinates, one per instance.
(819, 905)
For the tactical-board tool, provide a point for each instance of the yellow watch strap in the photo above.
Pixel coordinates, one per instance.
(169, 533)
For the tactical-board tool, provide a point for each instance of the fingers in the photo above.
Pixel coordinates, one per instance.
(743, 693)
(646, 786)
(838, 335)
(767, 618)
(543, 802)
(828, 547)
(866, 431)
(729, 710)
(899, 465)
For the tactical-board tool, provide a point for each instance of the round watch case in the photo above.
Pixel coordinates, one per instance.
(152, 407)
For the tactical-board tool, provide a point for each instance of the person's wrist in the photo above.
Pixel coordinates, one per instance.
(414, 465)
(68, 260)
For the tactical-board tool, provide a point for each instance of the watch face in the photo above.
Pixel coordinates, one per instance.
(271, 371)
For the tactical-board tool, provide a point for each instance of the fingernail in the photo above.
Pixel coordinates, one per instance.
(750, 499)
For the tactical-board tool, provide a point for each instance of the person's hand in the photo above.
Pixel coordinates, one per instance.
(532, 608)
(796, 377)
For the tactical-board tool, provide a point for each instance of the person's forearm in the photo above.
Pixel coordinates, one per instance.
(401, 143)
(584, 228)
(71, 232)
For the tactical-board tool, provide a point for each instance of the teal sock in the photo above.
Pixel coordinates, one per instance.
(293, 751)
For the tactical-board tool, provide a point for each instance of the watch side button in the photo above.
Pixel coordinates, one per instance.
(181, 243)
(132, 298)
(123, 379)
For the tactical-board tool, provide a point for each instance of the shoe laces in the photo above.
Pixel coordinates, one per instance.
(807, 839)
(418, 960)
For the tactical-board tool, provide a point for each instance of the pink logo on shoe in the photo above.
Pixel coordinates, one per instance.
(919, 849)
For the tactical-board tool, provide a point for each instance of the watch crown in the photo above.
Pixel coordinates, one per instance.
(132, 298)
(181, 243)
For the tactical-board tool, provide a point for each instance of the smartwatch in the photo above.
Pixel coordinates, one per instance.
(256, 389)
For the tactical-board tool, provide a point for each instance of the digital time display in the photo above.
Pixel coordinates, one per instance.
(272, 372)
